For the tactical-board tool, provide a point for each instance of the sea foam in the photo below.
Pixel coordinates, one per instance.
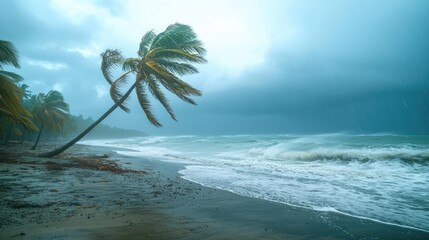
(380, 177)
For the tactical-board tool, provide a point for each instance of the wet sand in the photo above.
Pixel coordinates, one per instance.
(91, 193)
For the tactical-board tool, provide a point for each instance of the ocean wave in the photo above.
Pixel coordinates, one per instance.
(361, 155)
(330, 148)
(407, 155)
(380, 177)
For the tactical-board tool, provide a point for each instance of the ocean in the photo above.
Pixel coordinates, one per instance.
(383, 178)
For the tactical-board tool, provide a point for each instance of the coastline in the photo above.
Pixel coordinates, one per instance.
(69, 197)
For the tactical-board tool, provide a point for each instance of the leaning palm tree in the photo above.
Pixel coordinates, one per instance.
(51, 111)
(162, 59)
(12, 111)
(29, 102)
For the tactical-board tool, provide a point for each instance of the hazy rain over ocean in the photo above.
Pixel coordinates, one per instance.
(274, 67)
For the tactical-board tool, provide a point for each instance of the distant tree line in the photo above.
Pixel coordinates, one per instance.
(102, 131)
(33, 117)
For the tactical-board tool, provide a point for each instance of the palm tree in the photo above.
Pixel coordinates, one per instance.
(162, 58)
(30, 101)
(26, 94)
(11, 109)
(51, 111)
(27, 103)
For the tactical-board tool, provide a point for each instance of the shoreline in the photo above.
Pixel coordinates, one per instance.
(152, 202)
(317, 210)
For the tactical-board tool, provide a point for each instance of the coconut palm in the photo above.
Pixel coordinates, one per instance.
(162, 59)
(29, 102)
(26, 94)
(51, 112)
(11, 94)
(12, 111)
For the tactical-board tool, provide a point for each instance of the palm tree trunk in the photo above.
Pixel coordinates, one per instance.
(38, 136)
(23, 135)
(8, 133)
(80, 136)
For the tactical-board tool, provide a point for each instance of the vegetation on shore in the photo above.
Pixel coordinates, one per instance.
(12, 111)
(50, 111)
(162, 59)
(24, 115)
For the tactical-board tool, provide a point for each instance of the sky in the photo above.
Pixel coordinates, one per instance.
(289, 67)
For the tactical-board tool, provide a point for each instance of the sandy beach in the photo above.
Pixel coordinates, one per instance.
(93, 193)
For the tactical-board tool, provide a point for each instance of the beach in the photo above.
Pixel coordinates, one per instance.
(92, 192)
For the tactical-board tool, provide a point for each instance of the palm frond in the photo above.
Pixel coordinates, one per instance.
(10, 98)
(178, 42)
(13, 76)
(159, 95)
(8, 54)
(176, 89)
(173, 36)
(177, 68)
(176, 55)
(23, 120)
(144, 103)
(115, 90)
(193, 46)
(146, 43)
(171, 82)
(11, 107)
(130, 65)
(109, 59)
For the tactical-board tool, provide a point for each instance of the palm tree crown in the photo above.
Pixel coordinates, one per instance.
(50, 111)
(161, 60)
(11, 108)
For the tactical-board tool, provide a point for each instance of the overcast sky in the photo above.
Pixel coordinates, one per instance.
(274, 66)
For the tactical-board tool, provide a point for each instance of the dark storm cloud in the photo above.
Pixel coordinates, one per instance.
(326, 97)
(290, 84)
(364, 70)
(42, 36)
(37, 27)
(329, 66)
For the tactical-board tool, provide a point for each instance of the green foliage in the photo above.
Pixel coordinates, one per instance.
(8, 54)
(110, 59)
(11, 109)
(51, 110)
(161, 60)
(19, 109)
